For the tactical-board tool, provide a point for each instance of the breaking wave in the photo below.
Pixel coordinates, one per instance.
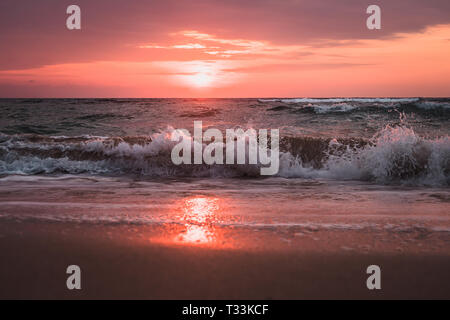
(394, 155)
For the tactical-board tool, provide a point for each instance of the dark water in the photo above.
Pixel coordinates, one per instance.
(385, 141)
(331, 118)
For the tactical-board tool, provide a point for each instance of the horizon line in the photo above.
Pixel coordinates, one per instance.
(271, 97)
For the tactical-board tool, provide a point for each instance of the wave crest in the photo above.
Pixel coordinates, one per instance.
(394, 155)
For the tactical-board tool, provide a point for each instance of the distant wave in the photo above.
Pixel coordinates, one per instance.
(341, 100)
(394, 155)
(344, 105)
(430, 105)
(340, 107)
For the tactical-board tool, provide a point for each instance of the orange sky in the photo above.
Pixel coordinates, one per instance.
(212, 61)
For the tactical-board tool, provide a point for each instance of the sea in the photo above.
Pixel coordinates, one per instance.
(369, 164)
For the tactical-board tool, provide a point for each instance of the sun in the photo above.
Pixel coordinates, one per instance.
(201, 80)
(201, 75)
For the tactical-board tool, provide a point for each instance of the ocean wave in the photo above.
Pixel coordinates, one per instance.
(432, 105)
(340, 107)
(342, 100)
(344, 105)
(394, 155)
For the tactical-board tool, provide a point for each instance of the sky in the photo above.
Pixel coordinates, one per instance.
(232, 48)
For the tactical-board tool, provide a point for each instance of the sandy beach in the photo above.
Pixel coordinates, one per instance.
(124, 263)
(226, 239)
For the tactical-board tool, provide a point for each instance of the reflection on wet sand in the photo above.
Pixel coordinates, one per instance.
(199, 216)
(195, 221)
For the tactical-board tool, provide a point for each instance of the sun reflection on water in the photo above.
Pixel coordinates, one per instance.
(199, 216)
(197, 221)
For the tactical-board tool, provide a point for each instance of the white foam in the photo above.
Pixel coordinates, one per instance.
(395, 154)
(339, 107)
(342, 100)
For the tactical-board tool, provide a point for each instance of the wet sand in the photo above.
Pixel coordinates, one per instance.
(141, 262)
(203, 239)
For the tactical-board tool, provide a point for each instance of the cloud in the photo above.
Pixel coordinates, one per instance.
(177, 46)
(168, 48)
(35, 31)
(223, 48)
(288, 67)
(212, 38)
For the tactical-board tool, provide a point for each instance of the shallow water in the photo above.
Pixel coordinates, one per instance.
(200, 206)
